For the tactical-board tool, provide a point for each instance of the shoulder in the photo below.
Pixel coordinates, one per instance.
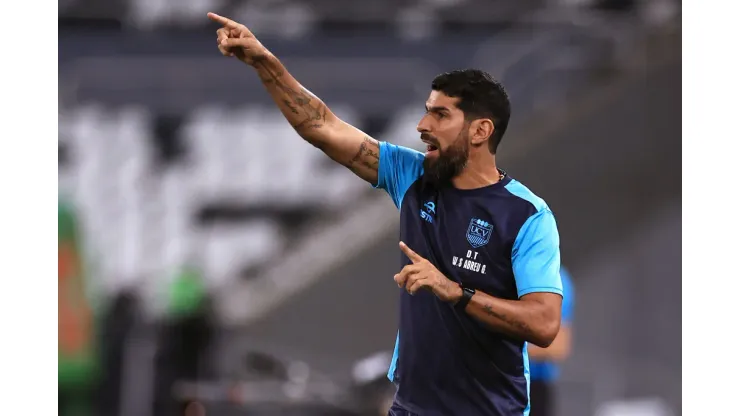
(526, 196)
(398, 163)
(400, 152)
(398, 169)
(523, 206)
(532, 215)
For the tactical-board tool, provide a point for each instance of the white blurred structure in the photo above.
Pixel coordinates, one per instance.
(139, 218)
(638, 407)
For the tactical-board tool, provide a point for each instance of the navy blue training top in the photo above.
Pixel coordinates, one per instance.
(500, 239)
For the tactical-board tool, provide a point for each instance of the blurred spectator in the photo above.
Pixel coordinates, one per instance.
(544, 362)
(183, 341)
(117, 322)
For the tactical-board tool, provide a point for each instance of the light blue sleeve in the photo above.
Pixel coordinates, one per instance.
(399, 168)
(536, 255)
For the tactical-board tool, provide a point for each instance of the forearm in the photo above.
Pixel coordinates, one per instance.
(315, 123)
(308, 115)
(528, 320)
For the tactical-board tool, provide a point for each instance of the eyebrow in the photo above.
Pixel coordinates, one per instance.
(437, 109)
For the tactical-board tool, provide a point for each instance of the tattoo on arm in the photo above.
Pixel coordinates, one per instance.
(291, 107)
(367, 155)
(521, 326)
(310, 112)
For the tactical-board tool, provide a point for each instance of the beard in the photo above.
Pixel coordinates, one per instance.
(450, 162)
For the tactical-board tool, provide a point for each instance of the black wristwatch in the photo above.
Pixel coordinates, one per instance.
(465, 299)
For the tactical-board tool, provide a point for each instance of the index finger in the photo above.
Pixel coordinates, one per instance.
(223, 20)
(411, 254)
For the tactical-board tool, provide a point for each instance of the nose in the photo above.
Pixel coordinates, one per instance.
(423, 126)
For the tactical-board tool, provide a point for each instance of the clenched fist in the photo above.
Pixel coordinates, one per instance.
(234, 39)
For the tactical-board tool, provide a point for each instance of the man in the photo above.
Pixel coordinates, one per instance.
(481, 245)
(543, 367)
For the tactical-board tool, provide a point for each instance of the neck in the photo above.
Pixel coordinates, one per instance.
(480, 171)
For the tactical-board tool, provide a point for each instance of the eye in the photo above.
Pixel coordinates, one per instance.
(436, 113)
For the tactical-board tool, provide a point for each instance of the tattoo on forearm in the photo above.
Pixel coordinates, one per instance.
(291, 107)
(368, 155)
(311, 112)
(508, 319)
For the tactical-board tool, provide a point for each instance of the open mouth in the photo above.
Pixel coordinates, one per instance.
(430, 142)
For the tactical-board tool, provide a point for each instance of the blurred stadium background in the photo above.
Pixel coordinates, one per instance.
(207, 253)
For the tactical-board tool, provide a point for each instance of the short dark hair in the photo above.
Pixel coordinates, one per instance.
(481, 96)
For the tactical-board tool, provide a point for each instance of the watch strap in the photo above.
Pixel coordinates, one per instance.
(465, 299)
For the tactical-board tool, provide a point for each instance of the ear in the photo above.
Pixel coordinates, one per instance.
(480, 131)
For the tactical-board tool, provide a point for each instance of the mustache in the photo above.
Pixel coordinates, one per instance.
(426, 137)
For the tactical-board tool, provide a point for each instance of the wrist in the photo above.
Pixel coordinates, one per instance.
(466, 295)
(260, 59)
(457, 294)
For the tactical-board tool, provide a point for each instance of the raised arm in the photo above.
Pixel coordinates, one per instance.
(308, 115)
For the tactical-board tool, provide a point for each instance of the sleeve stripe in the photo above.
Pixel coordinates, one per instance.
(541, 290)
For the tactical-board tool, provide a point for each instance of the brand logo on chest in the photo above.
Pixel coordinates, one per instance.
(428, 212)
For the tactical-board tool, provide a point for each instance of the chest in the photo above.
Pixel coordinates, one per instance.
(469, 239)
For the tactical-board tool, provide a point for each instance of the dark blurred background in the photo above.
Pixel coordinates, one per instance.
(208, 254)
